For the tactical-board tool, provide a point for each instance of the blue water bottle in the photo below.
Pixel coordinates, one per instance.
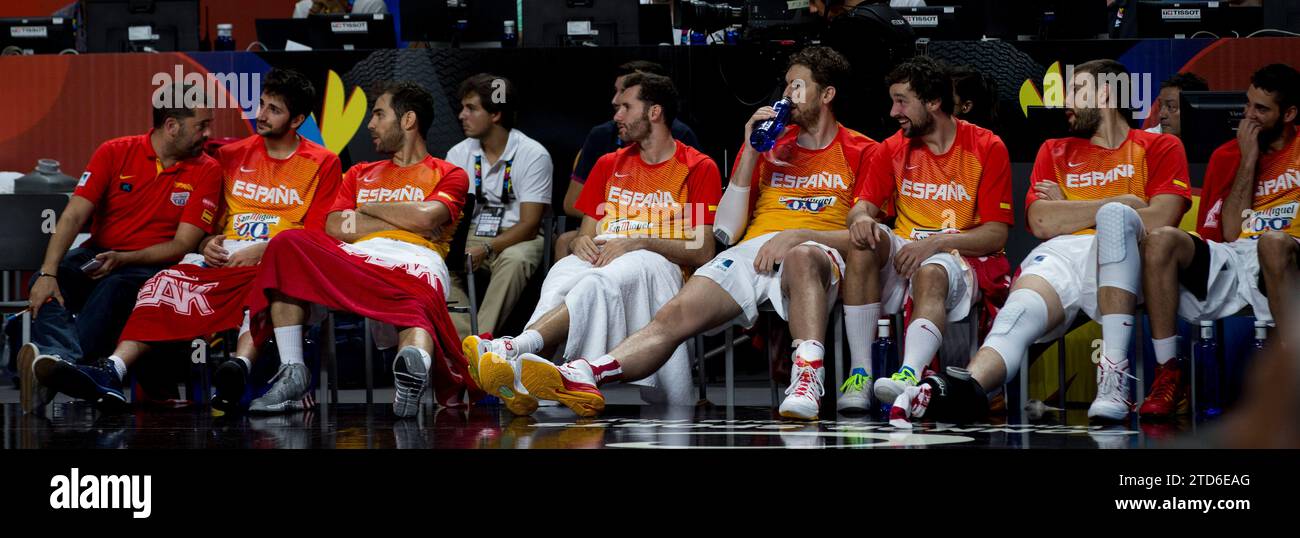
(1238, 364)
(732, 35)
(225, 37)
(765, 133)
(1209, 377)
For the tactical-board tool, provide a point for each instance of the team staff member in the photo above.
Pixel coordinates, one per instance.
(133, 193)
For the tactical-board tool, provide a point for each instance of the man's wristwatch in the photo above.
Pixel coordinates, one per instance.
(488, 248)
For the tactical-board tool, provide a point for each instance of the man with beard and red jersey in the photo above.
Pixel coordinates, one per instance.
(1200, 279)
(1093, 197)
(650, 209)
(388, 233)
(272, 181)
(132, 194)
(790, 253)
(949, 184)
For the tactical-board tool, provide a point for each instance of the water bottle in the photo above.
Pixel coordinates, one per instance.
(509, 38)
(1261, 335)
(884, 360)
(1235, 365)
(765, 133)
(732, 36)
(698, 38)
(1208, 372)
(225, 37)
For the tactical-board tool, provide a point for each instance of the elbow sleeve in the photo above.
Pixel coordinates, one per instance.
(733, 214)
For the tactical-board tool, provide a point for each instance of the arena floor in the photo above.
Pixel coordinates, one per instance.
(354, 424)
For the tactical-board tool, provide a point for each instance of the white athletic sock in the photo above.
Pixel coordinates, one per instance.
(860, 327)
(289, 341)
(529, 341)
(118, 365)
(248, 364)
(1116, 332)
(923, 341)
(1166, 349)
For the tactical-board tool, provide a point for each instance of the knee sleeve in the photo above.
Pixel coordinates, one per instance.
(1119, 262)
(1022, 321)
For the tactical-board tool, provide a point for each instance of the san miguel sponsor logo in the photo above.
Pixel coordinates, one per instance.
(811, 204)
(74, 491)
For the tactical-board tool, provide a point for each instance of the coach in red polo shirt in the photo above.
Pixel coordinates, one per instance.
(132, 193)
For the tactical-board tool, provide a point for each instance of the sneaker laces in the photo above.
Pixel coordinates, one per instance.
(1111, 379)
(906, 377)
(806, 382)
(284, 374)
(275, 379)
(856, 383)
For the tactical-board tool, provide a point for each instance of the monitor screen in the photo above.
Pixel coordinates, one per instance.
(142, 25)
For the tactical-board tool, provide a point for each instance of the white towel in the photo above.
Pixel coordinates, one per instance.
(607, 304)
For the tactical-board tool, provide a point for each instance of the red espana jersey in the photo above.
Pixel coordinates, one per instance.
(805, 188)
(1145, 165)
(1276, 197)
(665, 200)
(138, 203)
(263, 196)
(432, 179)
(959, 190)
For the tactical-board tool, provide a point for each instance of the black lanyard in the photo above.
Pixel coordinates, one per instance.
(507, 189)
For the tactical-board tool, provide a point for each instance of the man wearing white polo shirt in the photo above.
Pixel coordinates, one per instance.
(510, 179)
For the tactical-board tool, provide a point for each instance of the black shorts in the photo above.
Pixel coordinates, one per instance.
(1196, 277)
